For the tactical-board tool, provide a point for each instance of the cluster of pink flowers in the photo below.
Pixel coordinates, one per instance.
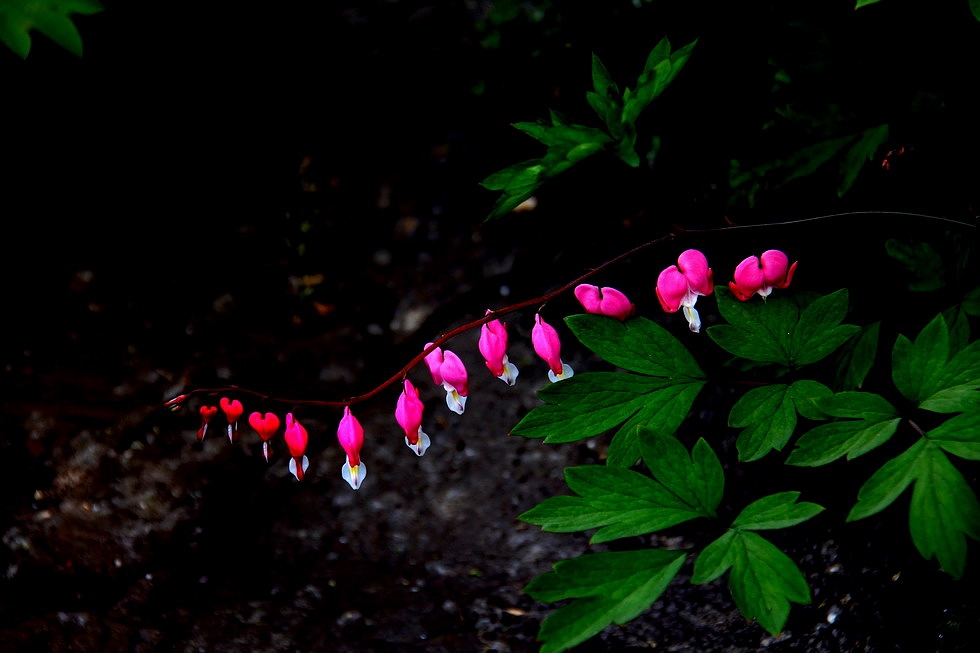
(678, 287)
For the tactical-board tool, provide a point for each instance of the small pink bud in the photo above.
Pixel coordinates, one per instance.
(604, 301)
(350, 434)
(296, 440)
(493, 346)
(548, 346)
(233, 410)
(266, 427)
(759, 275)
(408, 414)
(207, 412)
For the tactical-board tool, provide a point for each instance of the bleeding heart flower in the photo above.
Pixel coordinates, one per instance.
(351, 437)
(493, 346)
(548, 346)
(759, 275)
(233, 410)
(604, 301)
(448, 371)
(680, 285)
(408, 414)
(266, 427)
(207, 412)
(296, 439)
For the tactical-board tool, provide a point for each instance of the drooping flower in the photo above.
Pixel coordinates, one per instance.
(604, 301)
(548, 346)
(266, 427)
(207, 412)
(351, 437)
(408, 414)
(680, 286)
(233, 410)
(296, 439)
(760, 274)
(493, 346)
(448, 371)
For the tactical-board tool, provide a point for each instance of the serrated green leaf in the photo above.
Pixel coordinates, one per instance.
(858, 357)
(50, 17)
(775, 511)
(763, 580)
(618, 502)
(886, 484)
(637, 344)
(874, 422)
(943, 513)
(697, 478)
(859, 154)
(603, 83)
(959, 436)
(610, 587)
(663, 412)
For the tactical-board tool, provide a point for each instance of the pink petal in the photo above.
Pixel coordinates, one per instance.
(694, 266)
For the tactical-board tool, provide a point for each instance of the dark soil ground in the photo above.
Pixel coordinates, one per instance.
(245, 230)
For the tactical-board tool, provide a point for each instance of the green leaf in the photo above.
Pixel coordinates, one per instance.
(974, 7)
(959, 436)
(618, 502)
(886, 484)
(971, 302)
(769, 415)
(609, 588)
(819, 331)
(923, 263)
(865, 3)
(858, 357)
(637, 344)
(697, 478)
(875, 421)
(777, 331)
(763, 580)
(561, 135)
(859, 154)
(775, 511)
(923, 370)
(587, 404)
(943, 513)
(663, 412)
(50, 17)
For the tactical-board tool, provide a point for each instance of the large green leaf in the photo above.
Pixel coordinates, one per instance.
(859, 154)
(610, 587)
(696, 478)
(870, 422)
(663, 412)
(637, 344)
(617, 502)
(776, 330)
(763, 579)
(857, 357)
(768, 415)
(944, 510)
(18, 18)
(924, 371)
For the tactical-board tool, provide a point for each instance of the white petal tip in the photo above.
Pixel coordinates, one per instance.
(421, 446)
(509, 375)
(299, 473)
(456, 403)
(354, 475)
(566, 373)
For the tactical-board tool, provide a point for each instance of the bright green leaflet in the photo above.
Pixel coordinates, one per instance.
(18, 18)
(609, 587)
(778, 330)
(924, 371)
(769, 414)
(763, 580)
(871, 422)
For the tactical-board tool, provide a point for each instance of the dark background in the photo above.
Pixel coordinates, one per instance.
(165, 196)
